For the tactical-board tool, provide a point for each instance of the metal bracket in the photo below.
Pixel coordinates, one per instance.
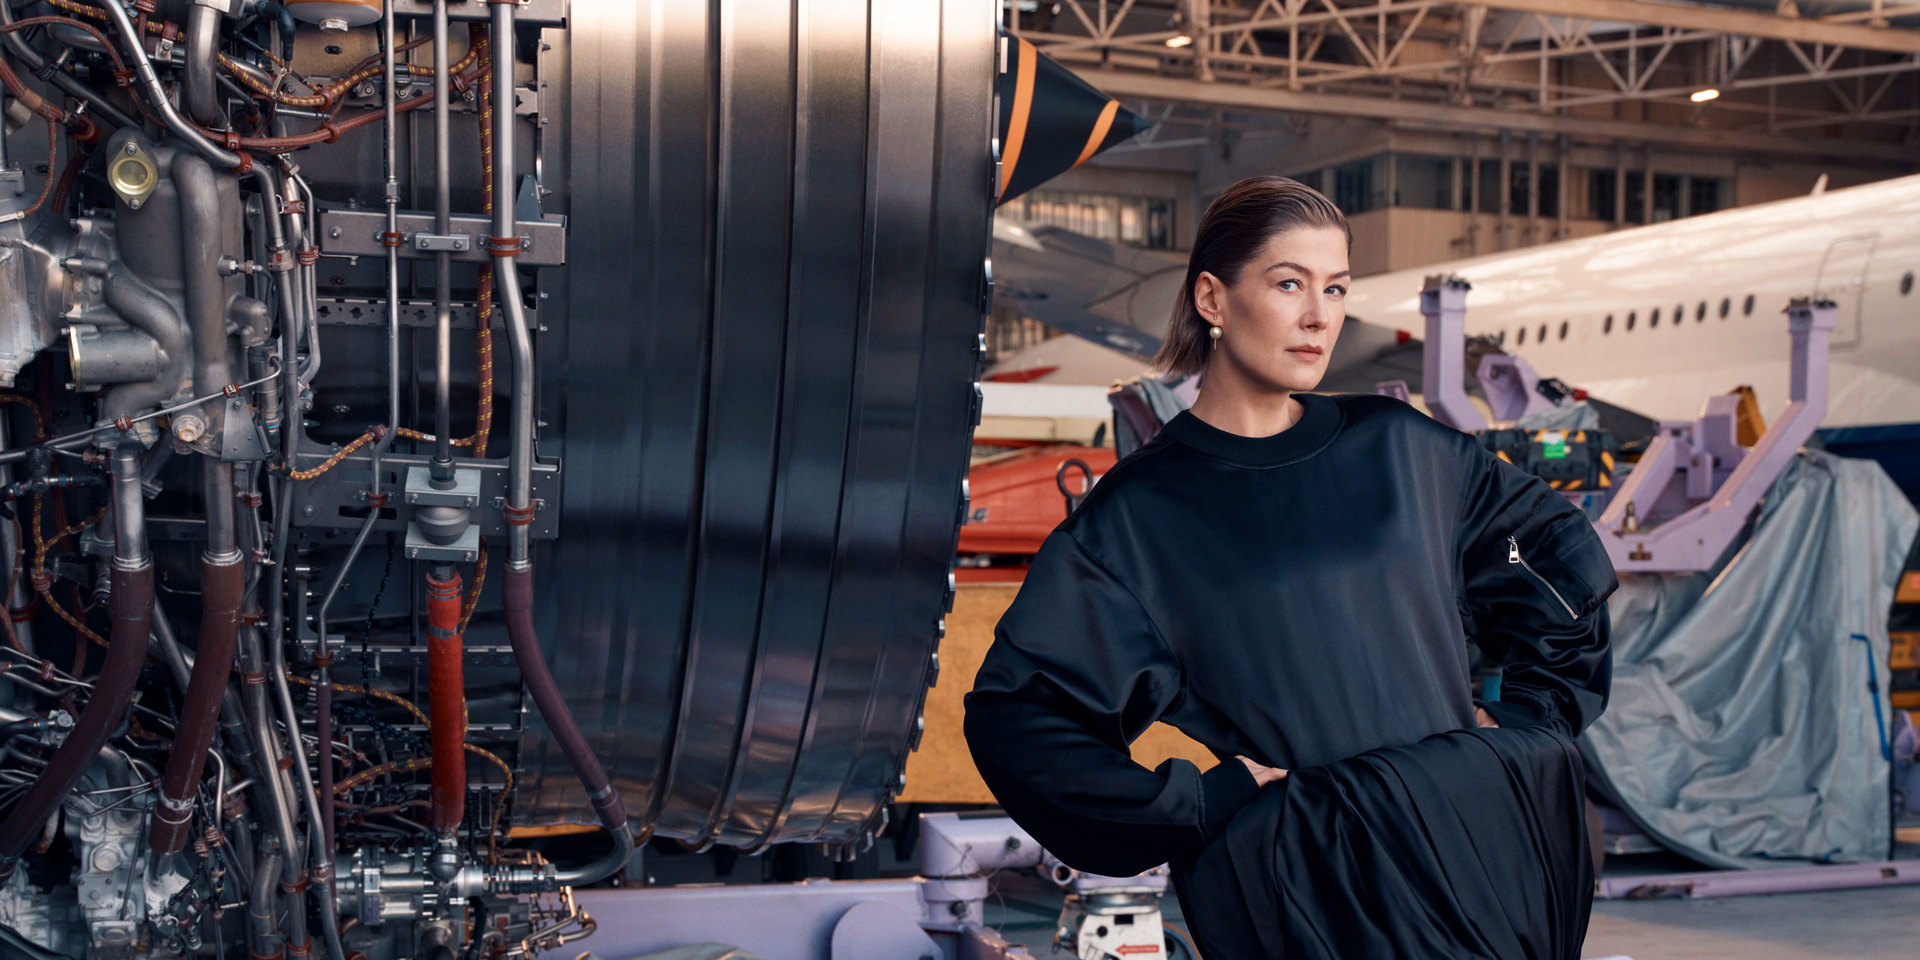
(240, 438)
(545, 13)
(437, 243)
(464, 550)
(334, 504)
(421, 492)
(358, 232)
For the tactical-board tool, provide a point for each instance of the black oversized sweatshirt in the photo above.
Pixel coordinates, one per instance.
(1298, 599)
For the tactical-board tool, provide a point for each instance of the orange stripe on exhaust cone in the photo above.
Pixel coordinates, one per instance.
(1099, 134)
(1022, 107)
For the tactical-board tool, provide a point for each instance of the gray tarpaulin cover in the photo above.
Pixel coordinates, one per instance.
(1744, 727)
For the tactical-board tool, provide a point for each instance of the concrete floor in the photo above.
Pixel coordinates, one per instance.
(1845, 925)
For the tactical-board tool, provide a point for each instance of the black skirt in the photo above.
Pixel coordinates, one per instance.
(1468, 844)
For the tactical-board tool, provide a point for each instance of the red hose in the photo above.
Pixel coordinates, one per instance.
(446, 692)
(221, 585)
(112, 693)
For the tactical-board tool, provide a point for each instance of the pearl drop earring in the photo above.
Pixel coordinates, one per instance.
(1214, 332)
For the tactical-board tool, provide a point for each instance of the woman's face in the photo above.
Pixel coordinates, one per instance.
(1278, 321)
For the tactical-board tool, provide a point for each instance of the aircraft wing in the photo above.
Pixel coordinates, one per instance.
(1113, 295)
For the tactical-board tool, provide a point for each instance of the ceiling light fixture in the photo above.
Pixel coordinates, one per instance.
(1179, 41)
(1702, 96)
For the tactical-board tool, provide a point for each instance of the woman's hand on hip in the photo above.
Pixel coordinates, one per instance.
(1481, 718)
(1263, 775)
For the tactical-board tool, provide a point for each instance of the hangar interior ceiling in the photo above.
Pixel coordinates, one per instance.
(1818, 78)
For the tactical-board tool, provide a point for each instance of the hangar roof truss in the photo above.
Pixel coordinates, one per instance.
(1845, 81)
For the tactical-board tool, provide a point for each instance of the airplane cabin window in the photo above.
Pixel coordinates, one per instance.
(1520, 339)
(1747, 309)
(1679, 313)
(1726, 304)
(1700, 315)
(1906, 283)
(1607, 325)
(1541, 337)
(1630, 318)
(1563, 329)
(1653, 320)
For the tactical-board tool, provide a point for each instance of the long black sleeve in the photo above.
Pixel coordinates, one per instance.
(1077, 671)
(1535, 581)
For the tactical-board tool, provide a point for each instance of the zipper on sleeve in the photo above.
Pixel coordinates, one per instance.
(1513, 556)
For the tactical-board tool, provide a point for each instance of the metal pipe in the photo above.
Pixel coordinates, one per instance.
(320, 857)
(300, 230)
(147, 311)
(157, 94)
(294, 418)
(132, 603)
(17, 594)
(276, 793)
(504, 243)
(202, 93)
(392, 128)
(206, 297)
(442, 466)
(101, 107)
(262, 913)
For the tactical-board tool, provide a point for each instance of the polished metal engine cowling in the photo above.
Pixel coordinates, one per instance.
(779, 216)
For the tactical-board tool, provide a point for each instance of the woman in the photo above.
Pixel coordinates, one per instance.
(1292, 580)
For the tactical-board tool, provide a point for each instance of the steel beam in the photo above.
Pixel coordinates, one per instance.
(1127, 85)
(1723, 20)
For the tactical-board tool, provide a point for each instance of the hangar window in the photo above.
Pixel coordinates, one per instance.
(1653, 319)
(1606, 326)
(1361, 185)
(1520, 338)
(1747, 309)
(1630, 318)
(1726, 304)
(1423, 182)
(1563, 329)
(1906, 283)
(1138, 221)
(1700, 315)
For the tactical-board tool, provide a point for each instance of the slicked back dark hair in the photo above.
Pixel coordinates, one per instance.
(1237, 224)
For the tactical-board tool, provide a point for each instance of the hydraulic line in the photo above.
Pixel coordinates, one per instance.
(132, 604)
(517, 586)
(279, 851)
(222, 580)
(36, 64)
(442, 464)
(505, 245)
(262, 916)
(518, 577)
(202, 96)
(157, 97)
(446, 691)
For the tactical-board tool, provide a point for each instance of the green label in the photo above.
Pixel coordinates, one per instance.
(1553, 445)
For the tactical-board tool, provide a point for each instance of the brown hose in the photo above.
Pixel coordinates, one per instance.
(517, 586)
(446, 691)
(112, 692)
(221, 586)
